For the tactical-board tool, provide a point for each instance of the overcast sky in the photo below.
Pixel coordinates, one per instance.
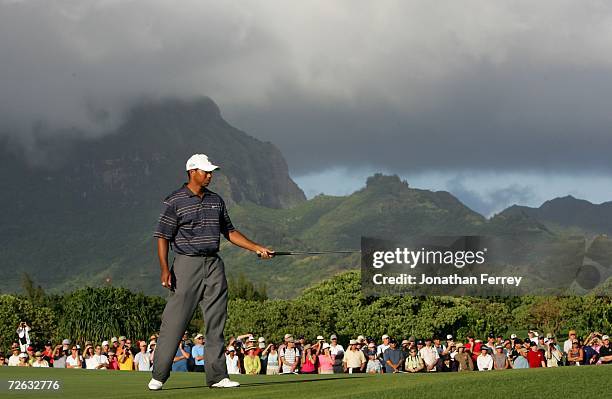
(497, 101)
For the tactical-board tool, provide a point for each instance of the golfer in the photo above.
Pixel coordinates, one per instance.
(191, 221)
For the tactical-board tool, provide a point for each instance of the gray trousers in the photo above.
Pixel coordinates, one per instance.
(195, 280)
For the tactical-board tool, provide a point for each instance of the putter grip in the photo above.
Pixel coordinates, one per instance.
(276, 253)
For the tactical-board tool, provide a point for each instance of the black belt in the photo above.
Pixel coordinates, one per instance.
(203, 255)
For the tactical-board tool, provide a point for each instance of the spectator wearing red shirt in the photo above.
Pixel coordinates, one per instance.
(535, 358)
(113, 363)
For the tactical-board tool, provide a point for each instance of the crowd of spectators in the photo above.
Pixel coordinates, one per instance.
(246, 354)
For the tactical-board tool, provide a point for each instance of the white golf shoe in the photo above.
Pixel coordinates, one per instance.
(155, 385)
(226, 383)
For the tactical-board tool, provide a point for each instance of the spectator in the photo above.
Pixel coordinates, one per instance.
(535, 357)
(500, 360)
(325, 359)
(438, 346)
(59, 357)
(74, 360)
(490, 345)
(290, 358)
(2, 360)
(198, 354)
(373, 366)
(66, 345)
(521, 361)
(113, 363)
(309, 360)
(463, 359)
(429, 355)
(128, 346)
(262, 359)
(115, 345)
(533, 337)
(125, 358)
(393, 358)
(105, 348)
(98, 360)
(252, 364)
(516, 351)
(567, 345)
(414, 363)
(142, 360)
(23, 360)
(380, 350)
(181, 356)
(121, 348)
(89, 353)
(575, 356)
(354, 359)
(30, 353)
(39, 361)
(553, 354)
(23, 333)
(484, 360)
(591, 350)
(272, 360)
(231, 361)
(48, 353)
(337, 351)
(449, 341)
(605, 351)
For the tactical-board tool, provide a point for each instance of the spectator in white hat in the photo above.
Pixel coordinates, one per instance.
(380, 350)
(23, 360)
(197, 352)
(325, 359)
(354, 359)
(231, 361)
(290, 358)
(605, 351)
(337, 351)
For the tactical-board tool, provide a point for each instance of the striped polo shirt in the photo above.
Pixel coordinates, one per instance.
(193, 224)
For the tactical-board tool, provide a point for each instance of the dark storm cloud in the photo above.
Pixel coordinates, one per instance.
(396, 85)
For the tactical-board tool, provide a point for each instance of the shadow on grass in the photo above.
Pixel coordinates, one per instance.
(271, 383)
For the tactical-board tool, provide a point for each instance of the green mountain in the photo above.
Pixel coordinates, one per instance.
(82, 211)
(569, 212)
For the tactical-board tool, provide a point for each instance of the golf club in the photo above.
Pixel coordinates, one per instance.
(283, 253)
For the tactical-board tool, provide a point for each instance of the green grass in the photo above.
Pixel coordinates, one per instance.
(565, 382)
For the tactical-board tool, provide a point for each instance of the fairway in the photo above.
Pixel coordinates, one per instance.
(565, 382)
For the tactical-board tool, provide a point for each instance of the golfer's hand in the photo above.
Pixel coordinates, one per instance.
(264, 253)
(166, 279)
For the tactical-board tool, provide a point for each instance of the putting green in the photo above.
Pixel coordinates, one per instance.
(564, 382)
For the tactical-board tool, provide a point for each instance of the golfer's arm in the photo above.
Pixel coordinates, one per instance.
(162, 253)
(237, 238)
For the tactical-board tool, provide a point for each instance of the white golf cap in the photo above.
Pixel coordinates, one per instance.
(199, 336)
(353, 342)
(288, 336)
(385, 336)
(360, 338)
(325, 345)
(104, 343)
(449, 336)
(66, 342)
(320, 337)
(513, 336)
(231, 349)
(605, 337)
(200, 161)
(261, 339)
